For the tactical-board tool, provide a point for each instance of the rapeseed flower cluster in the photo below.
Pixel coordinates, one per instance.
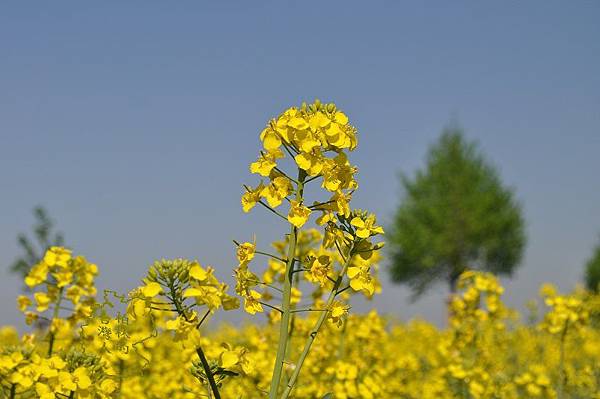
(154, 341)
(315, 140)
(483, 353)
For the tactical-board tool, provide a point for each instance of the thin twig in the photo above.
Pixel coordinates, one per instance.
(287, 148)
(308, 310)
(340, 251)
(266, 285)
(203, 318)
(285, 175)
(314, 206)
(272, 210)
(312, 178)
(271, 306)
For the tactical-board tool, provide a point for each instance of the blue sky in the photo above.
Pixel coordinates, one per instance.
(134, 123)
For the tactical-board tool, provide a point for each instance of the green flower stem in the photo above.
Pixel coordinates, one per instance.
(271, 256)
(312, 178)
(285, 317)
(308, 310)
(271, 306)
(562, 379)
(237, 244)
(13, 391)
(261, 202)
(316, 328)
(286, 301)
(54, 316)
(209, 375)
(121, 371)
(292, 327)
(267, 285)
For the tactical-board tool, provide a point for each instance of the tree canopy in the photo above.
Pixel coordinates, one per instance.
(34, 248)
(455, 215)
(592, 271)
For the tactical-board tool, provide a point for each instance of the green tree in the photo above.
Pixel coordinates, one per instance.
(455, 215)
(34, 248)
(592, 271)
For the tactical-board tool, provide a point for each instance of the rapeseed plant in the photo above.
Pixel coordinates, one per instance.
(153, 342)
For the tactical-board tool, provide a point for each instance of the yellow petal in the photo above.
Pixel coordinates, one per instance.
(229, 359)
(192, 292)
(356, 284)
(357, 222)
(341, 118)
(303, 161)
(151, 289)
(198, 273)
(83, 381)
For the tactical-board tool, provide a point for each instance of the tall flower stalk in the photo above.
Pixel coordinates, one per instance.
(316, 137)
(284, 329)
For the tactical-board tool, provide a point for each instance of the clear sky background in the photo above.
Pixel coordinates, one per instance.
(134, 124)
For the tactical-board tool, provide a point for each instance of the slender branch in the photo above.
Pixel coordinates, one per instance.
(271, 255)
(309, 310)
(340, 251)
(300, 270)
(312, 178)
(121, 369)
(364, 251)
(272, 210)
(199, 351)
(264, 253)
(287, 148)
(315, 330)
(342, 290)
(314, 206)
(561, 371)
(284, 326)
(164, 310)
(203, 318)
(159, 303)
(271, 306)
(285, 175)
(266, 205)
(55, 314)
(266, 285)
(209, 374)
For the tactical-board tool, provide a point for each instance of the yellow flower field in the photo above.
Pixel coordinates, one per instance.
(156, 341)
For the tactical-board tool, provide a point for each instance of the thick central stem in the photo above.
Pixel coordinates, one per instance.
(205, 365)
(286, 301)
(315, 330)
(209, 375)
(54, 316)
(561, 371)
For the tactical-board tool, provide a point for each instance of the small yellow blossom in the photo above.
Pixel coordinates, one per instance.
(151, 289)
(57, 256)
(245, 253)
(251, 302)
(298, 214)
(366, 227)
(251, 197)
